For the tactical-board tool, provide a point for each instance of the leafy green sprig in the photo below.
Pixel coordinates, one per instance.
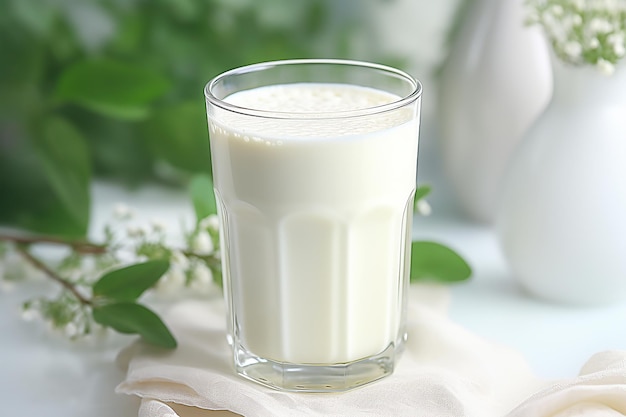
(96, 292)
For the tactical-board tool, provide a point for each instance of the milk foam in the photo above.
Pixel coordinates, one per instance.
(316, 111)
(310, 98)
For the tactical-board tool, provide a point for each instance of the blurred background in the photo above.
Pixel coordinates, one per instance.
(111, 90)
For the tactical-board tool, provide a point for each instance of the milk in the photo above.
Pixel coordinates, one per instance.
(316, 219)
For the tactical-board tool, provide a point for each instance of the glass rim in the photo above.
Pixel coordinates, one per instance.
(415, 93)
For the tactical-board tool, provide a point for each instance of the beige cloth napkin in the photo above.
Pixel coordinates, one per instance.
(599, 391)
(445, 371)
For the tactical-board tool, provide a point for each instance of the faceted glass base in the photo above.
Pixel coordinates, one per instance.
(315, 378)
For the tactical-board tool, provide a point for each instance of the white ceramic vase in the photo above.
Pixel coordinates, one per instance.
(562, 222)
(494, 84)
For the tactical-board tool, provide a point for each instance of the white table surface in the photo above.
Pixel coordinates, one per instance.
(42, 374)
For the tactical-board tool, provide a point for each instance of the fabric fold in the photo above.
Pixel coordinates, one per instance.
(445, 371)
(599, 391)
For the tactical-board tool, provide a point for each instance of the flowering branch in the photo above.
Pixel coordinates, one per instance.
(583, 32)
(101, 282)
(98, 291)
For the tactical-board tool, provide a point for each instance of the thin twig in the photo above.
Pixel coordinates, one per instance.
(209, 259)
(53, 275)
(80, 246)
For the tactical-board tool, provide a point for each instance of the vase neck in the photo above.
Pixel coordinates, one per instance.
(574, 83)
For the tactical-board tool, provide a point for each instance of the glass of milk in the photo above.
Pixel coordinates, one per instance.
(314, 166)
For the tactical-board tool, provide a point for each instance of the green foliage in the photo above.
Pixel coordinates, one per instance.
(133, 318)
(114, 303)
(127, 284)
(421, 192)
(202, 196)
(113, 89)
(178, 134)
(45, 176)
(63, 156)
(431, 261)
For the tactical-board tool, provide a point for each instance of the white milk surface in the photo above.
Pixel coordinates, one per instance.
(315, 215)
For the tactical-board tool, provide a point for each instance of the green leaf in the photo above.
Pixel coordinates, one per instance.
(119, 150)
(178, 134)
(65, 161)
(203, 196)
(111, 88)
(422, 192)
(128, 283)
(45, 174)
(431, 261)
(133, 318)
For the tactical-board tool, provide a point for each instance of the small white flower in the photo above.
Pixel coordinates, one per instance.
(71, 330)
(177, 276)
(179, 259)
(173, 280)
(599, 25)
(617, 41)
(573, 49)
(550, 22)
(211, 222)
(605, 67)
(423, 208)
(202, 275)
(557, 10)
(594, 43)
(576, 20)
(158, 225)
(202, 279)
(135, 231)
(122, 212)
(617, 37)
(202, 243)
(30, 314)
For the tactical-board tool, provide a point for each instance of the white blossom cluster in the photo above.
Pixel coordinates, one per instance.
(584, 32)
(200, 271)
(196, 266)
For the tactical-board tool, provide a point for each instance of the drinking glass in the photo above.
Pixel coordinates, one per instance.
(314, 169)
